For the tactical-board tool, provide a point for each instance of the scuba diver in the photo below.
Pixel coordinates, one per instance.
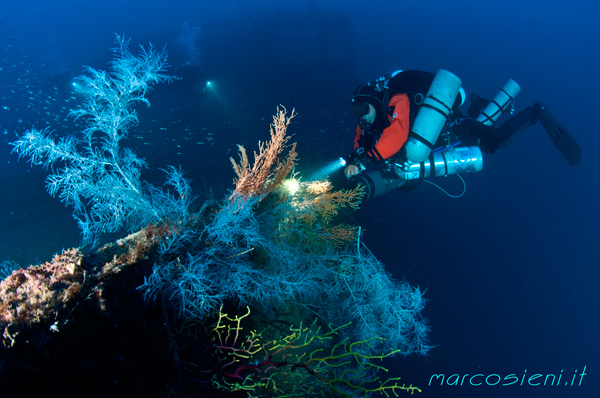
(410, 127)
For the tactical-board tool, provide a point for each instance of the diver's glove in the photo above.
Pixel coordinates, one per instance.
(352, 158)
(353, 165)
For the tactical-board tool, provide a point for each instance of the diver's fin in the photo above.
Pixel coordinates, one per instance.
(560, 137)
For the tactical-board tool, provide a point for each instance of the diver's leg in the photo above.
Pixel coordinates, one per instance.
(477, 104)
(517, 125)
(560, 137)
(472, 132)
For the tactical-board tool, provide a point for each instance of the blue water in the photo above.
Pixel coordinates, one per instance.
(511, 268)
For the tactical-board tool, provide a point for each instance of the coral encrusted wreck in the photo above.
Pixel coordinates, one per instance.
(261, 293)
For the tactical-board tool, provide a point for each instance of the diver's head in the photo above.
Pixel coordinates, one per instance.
(366, 103)
(366, 112)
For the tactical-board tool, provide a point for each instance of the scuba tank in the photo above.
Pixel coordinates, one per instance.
(444, 163)
(432, 116)
(441, 163)
(501, 102)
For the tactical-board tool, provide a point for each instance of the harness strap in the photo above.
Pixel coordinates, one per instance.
(422, 140)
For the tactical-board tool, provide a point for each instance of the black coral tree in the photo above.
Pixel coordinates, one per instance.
(93, 172)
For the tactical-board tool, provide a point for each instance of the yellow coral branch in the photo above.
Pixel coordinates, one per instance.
(300, 362)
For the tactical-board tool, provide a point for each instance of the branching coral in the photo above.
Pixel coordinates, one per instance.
(305, 361)
(262, 247)
(268, 170)
(306, 216)
(100, 179)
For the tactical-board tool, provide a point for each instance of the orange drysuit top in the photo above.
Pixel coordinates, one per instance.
(394, 136)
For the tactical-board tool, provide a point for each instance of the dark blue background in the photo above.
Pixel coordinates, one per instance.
(511, 268)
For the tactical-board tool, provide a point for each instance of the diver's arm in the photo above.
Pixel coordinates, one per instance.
(396, 134)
